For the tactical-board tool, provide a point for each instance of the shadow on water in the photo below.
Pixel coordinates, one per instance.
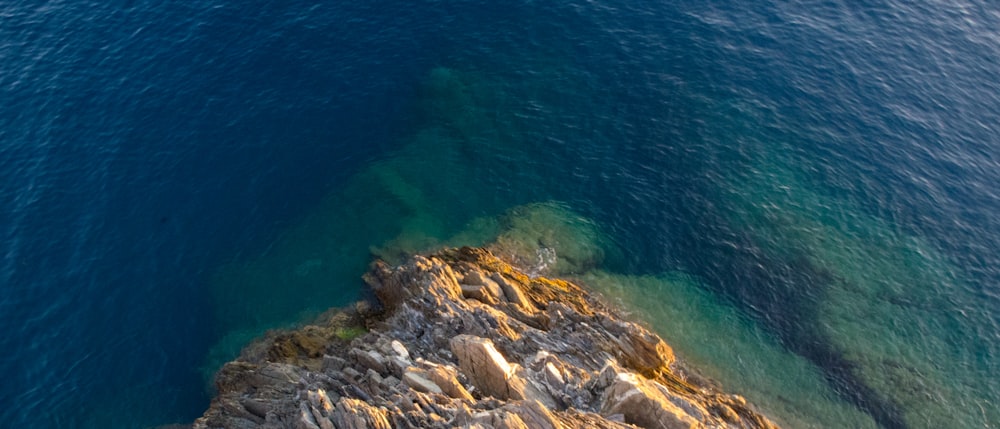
(783, 295)
(782, 292)
(873, 308)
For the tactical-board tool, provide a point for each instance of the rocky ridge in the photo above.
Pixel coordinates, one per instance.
(463, 339)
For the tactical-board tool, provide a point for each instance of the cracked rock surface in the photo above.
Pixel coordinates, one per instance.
(463, 339)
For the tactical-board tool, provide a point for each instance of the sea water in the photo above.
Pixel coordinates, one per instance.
(800, 197)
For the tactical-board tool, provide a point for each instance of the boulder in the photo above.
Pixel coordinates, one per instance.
(644, 404)
(484, 365)
(417, 381)
(447, 378)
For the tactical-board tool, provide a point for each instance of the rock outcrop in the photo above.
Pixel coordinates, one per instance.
(463, 339)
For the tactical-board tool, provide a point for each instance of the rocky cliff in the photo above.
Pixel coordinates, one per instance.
(461, 338)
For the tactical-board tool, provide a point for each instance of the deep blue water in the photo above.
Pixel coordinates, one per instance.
(179, 176)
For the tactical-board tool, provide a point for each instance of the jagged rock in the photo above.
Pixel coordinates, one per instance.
(305, 420)
(643, 404)
(553, 377)
(370, 359)
(529, 388)
(473, 278)
(355, 414)
(400, 349)
(447, 378)
(481, 293)
(514, 294)
(501, 419)
(333, 363)
(485, 366)
(416, 380)
(319, 400)
(464, 339)
(534, 415)
(255, 407)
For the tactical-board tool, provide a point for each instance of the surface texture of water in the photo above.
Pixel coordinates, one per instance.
(811, 184)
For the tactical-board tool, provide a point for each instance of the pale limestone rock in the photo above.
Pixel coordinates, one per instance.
(416, 380)
(398, 365)
(644, 404)
(447, 378)
(400, 350)
(483, 364)
(499, 419)
(492, 374)
(523, 386)
(374, 377)
(319, 399)
(553, 377)
(477, 278)
(534, 415)
(494, 289)
(514, 294)
(473, 278)
(305, 419)
(480, 293)
(505, 420)
(321, 420)
(370, 359)
(355, 414)
(643, 350)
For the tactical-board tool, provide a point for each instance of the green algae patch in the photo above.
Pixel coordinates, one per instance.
(349, 333)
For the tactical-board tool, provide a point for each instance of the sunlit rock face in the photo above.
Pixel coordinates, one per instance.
(461, 338)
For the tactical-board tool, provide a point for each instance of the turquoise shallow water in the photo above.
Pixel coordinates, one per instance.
(800, 197)
(830, 316)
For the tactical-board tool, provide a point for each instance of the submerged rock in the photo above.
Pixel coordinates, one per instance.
(464, 339)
